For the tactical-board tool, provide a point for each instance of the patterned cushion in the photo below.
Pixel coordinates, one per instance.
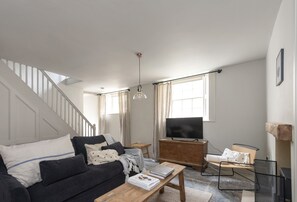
(93, 147)
(103, 156)
(235, 156)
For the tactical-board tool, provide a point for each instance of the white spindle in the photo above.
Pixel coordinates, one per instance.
(20, 71)
(32, 78)
(47, 92)
(85, 128)
(60, 105)
(65, 109)
(75, 121)
(37, 84)
(13, 66)
(57, 99)
(52, 90)
(42, 90)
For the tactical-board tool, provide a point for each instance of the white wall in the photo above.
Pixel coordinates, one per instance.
(280, 105)
(90, 105)
(240, 112)
(75, 94)
(240, 108)
(142, 116)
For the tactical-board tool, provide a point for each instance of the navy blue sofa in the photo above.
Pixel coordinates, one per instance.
(82, 187)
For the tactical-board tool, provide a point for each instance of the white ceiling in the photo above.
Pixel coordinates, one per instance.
(96, 40)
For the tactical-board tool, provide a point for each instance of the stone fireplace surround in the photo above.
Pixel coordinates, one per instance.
(283, 137)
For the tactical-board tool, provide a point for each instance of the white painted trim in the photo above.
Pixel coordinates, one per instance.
(294, 135)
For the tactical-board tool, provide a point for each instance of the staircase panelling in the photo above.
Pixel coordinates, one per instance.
(49, 129)
(24, 117)
(4, 113)
(47, 90)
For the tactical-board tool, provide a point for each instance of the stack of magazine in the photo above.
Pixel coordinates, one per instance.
(144, 181)
(161, 171)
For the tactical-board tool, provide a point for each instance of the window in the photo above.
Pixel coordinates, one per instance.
(112, 103)
(190, 98)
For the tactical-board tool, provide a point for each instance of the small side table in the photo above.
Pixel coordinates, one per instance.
(143, 147)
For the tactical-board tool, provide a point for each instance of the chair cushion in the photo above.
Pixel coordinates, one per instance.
(55, 170)
(72, 186)
(236, 157)
(79, 143)
(116, 146)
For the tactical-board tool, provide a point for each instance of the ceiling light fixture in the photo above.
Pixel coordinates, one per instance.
(139, 94)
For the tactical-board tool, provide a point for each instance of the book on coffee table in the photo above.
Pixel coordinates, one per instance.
(144, 181)
(161, 171)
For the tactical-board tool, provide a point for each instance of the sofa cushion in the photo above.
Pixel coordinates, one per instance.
(72, 186)
(12, 190)
(79, 143)
(93, 147)
(91, 194)
(55, 170)
(116, 146)
(103, 156)
(22, 161)
(3, 168)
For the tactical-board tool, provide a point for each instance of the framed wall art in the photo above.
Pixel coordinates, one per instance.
(280, 67)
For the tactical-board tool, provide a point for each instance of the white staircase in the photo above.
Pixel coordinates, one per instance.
(46, 89)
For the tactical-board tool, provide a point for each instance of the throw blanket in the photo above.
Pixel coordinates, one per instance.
(132, 160)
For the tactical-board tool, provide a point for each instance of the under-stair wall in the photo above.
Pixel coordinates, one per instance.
(28, 114)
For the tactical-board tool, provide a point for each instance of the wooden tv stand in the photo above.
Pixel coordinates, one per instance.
(189, 153)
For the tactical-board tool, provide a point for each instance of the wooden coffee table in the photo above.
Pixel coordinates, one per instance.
(128, 192)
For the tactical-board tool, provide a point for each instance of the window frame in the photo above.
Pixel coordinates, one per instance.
(208, 96)
(110, 104)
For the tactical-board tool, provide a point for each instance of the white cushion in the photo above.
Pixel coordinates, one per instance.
(93, 147)
(215, 158)
(22, 161)
(103, 156)
(235, 156)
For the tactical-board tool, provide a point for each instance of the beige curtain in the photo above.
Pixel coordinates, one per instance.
(162, 109)
(124, 116)
(102, 115)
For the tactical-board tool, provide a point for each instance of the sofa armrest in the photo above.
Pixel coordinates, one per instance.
(12, 190)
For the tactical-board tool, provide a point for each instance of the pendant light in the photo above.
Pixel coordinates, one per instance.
(139, 94)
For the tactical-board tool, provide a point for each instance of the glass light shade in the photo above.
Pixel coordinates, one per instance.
(139, 94)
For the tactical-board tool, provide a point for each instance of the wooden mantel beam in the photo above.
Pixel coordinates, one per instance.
(279, 131)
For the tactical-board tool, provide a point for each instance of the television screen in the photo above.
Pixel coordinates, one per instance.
(184, 127)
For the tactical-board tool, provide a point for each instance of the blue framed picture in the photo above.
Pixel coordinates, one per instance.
(280, 67)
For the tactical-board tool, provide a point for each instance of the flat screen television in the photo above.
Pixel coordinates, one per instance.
(184, 127)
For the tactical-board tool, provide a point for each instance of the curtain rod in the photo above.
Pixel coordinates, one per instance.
(214, 71)
(114, 92)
